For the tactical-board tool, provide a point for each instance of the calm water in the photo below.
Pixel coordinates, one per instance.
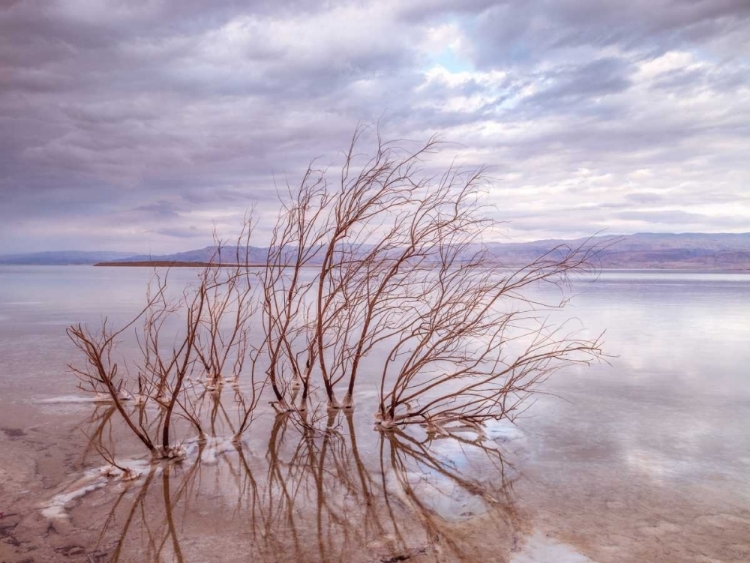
(646, 458)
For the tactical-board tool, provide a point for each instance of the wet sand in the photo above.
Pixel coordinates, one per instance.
(296, 496)
(352, 494)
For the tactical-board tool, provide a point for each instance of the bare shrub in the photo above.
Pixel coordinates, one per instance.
(190, 346)
(398, 272)
(380, 275)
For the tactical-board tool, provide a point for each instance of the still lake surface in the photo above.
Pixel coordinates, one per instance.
(646, 458)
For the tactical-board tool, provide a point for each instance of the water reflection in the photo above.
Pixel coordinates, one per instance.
(311, 495)
(613, 456)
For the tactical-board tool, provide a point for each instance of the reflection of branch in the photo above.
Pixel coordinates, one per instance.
(99, 421)
(318, 483)
(408, 454)
(170, 520)
(403, 445)
(138, 503)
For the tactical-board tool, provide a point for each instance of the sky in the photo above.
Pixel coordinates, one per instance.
(142, 125)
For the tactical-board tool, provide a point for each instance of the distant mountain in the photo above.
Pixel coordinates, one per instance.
(699, 251)
(703, 251)
(62, 258)
(228, 254)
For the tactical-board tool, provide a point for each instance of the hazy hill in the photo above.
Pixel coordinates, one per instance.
(62, 258)
(650, 250)
(646, 250)
(229, 254)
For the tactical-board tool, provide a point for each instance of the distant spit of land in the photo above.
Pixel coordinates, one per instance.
(174, 264)
(160, 264)
(688, 251)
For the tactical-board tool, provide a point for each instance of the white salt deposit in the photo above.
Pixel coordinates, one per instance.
(58, 506)
(65, 399)
(215, 448)
(541, 549)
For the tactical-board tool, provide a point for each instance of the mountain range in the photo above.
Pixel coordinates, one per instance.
(63, 258)
(701, 251)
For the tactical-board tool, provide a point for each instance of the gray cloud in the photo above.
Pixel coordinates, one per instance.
(137, 124)
(178, 232)
(510, 33)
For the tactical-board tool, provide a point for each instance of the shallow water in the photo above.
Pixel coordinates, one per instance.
(646, 458)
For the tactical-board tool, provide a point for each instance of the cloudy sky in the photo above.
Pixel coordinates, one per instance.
(139, 125)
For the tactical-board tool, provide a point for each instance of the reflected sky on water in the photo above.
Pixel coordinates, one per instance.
(645, 457)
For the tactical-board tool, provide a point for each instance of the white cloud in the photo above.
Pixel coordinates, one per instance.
(581, 110)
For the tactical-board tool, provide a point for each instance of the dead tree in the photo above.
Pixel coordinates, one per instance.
(379, 276)
(478, 346)
(402, 275)
(296, 244)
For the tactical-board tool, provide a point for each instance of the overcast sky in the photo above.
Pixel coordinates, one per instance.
(138, 125)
